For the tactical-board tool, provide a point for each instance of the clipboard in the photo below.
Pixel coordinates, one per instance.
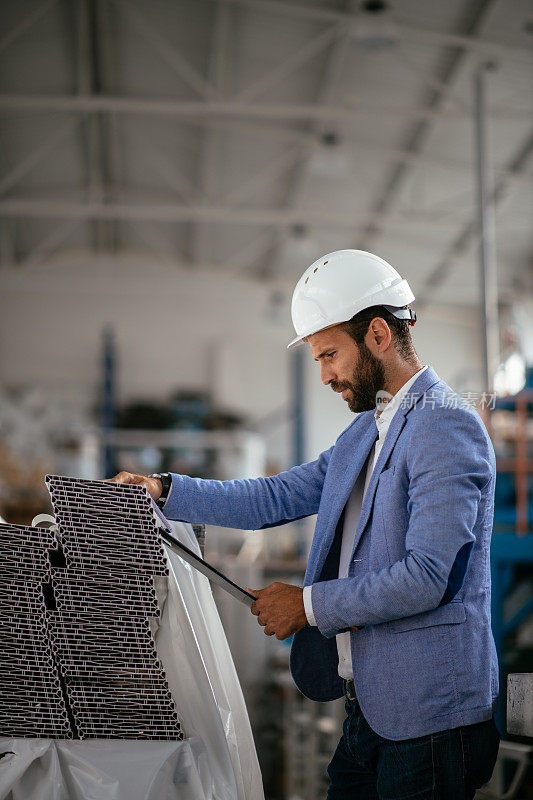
(211, 572)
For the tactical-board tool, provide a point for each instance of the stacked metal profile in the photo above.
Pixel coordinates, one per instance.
(105, 597)
(31, 699)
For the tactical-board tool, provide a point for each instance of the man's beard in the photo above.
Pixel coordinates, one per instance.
(367, 379)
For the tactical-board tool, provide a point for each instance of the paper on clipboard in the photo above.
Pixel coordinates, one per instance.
(214, 575)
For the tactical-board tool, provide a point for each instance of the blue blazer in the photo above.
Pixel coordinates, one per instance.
(424, 659)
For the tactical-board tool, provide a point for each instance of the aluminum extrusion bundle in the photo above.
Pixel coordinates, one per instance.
(105, 597)
(77, 612)
(31, 697)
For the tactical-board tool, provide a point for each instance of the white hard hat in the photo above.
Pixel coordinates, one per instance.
(341, 284)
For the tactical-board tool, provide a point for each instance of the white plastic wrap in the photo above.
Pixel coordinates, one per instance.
(217, 761)
(201, 674)
(53, 769)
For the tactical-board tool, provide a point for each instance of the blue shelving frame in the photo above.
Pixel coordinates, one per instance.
(507, 552)
(512, 540)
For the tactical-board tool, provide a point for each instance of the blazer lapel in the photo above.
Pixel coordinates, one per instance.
(343, 476)
(394, 431)
(419, 387)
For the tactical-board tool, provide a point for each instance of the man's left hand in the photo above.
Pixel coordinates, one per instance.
(279, 608)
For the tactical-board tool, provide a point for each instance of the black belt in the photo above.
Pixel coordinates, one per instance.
(349, 690)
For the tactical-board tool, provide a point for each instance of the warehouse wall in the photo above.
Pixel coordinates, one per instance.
(179, 329)
(164, 319)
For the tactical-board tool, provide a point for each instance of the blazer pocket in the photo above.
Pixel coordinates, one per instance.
(385, 474)
(449, 614)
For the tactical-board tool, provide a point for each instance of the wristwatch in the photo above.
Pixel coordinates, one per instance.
(166, 483)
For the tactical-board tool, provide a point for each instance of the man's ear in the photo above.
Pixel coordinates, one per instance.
(379, 336)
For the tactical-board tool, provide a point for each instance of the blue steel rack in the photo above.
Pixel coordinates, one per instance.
(512, 541)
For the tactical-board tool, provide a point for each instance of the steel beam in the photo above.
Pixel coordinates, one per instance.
(247, 256)
(469, 232)
(26, 24)
(114, 163)
(310, 49)
(7, 250)
(166, 51)
(167, 170)
(90, 82)
(208, 168)
(420, 159)
(34, 158)
(447, 72)
(490, 334)
(329, 81)
(156, 241)
(404, 30)
(228, 108)
(168, 212)
(271, 171)
(50, 243)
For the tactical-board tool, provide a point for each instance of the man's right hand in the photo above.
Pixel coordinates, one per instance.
(153, 485)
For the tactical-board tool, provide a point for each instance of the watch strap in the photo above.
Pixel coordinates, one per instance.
(166, 484)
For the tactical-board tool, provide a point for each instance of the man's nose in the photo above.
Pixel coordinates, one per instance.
(326, 374)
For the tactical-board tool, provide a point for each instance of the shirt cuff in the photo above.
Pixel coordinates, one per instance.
(308, 606)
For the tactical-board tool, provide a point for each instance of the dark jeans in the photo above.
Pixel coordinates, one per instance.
(448, 765)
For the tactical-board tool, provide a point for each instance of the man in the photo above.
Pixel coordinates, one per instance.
(395, 613)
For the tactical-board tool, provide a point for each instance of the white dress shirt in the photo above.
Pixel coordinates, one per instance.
(351, 518)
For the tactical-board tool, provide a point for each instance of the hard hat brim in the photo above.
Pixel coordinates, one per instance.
(295, 342)
(399, 312)
(300, 339)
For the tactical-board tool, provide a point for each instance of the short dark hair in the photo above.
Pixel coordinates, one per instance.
(358, 325)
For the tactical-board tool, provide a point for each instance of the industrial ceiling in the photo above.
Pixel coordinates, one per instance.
(251, 136)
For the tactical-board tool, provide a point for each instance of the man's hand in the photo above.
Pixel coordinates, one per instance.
(153, 485)
(279, 608)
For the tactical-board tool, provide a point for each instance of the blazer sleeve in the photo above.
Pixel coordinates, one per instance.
(449, 464)
(252, 503)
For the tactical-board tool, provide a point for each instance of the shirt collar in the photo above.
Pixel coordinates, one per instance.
(384, 418)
